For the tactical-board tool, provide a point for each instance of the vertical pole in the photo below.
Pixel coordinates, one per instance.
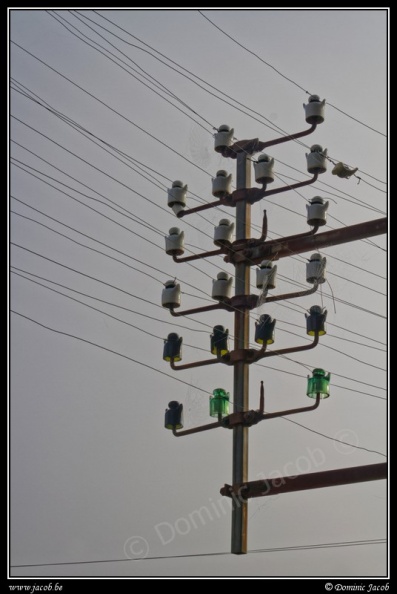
(241, 369)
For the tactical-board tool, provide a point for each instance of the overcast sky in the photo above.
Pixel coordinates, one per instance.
(107, 108)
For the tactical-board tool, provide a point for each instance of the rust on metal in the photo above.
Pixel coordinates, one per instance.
(244, 302)
(302, 482)
(264, 227)
(221, 305)
(262, 145)
(292, 186)
(223, 359)
(298, 244)
(313, 289)
(254, 145)
(250, 195)
(196, 429)
(241, 146)
(221, 250)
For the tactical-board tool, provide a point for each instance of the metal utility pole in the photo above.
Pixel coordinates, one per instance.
(245, 252)
(241, 369)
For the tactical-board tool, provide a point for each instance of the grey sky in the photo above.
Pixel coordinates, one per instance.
(92, 468)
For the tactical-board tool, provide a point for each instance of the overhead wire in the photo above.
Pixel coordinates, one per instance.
(96, 279)
(289, 323)
(99, 194)
(372, 541)
(175, 378)
(283, 131)
(339, 351)
(107, 198)
(155, 278)
(272, 368)
(105, 104)
(121, 115)
(208, 275)
(273, 126)
(153, 81)
(283, 75)
(115, 111)
(102, 312)
(143, 272)
(334, 438)
(75, 155)
(153, 228)
(157, 319)
(203, 390)
(108, 246)
(128, 309)
(109, 351)
(156, 269)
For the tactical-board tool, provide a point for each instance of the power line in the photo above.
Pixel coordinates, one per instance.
(344, 302)
(73, 124)
(369, 346)
(87, 246)
(80, 202)
(93, 278)
(90, 136)
(101, 171)
(81, 273)
(341, 352)
(94, 167)
(370, 541)
(138, 313)
(110, 219)
(85, 235)
(83, 89)
(153, 277)
(319, 181)
(333, 384)
(334, 438)
(146, 85)
(354, 200)
(181, 326)
(80, 130)
(308, 368)
(114, 110)
(142, 237)
(102, 253)
(58, 169)
(273, 126)
(109, 351)
(122, 116)
(103, 312)
(283, 75)
(175, 378)
(349, 280)
(97, 345)
(79, 126)
(145, 273)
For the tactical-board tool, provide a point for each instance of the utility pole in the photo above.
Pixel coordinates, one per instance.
(241, 369)
(243, 253)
